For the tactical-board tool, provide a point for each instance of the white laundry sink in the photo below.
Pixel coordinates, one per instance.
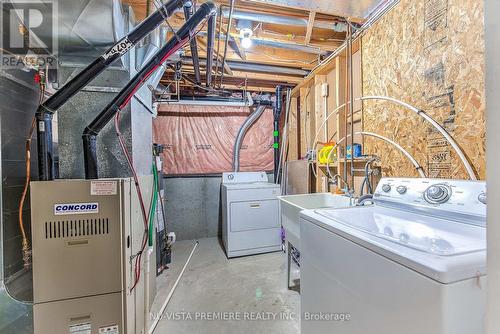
(291, 205)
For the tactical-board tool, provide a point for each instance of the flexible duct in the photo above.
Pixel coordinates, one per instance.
(242, 132)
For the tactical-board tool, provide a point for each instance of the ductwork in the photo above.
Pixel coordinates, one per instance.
(284, 20)
(212, 101)
(242, 132)
(87, 28)
(149, 45)
(253, 67)
(275, 44)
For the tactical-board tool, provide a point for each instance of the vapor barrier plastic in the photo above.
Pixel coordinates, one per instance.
(200, 139)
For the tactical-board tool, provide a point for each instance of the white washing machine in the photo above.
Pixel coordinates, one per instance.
(250, 214)
(413, 263)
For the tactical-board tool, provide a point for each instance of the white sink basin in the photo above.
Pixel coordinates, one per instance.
(291, 205)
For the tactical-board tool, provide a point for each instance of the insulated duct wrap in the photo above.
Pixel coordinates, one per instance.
(200, 139)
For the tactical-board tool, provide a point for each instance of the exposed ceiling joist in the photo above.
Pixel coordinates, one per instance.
(357, 11)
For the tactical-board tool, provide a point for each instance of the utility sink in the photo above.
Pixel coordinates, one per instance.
(291, 205)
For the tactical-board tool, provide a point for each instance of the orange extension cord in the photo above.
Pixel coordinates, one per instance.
(25, 243)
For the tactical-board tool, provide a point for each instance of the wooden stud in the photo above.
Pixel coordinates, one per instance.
(310, 26)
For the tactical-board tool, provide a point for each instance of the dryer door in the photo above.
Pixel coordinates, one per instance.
(254, 215)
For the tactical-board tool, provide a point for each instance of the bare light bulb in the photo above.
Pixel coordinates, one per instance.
(246, 42)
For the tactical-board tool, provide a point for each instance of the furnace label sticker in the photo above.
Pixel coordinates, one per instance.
(103, 188)
(75, 208)
(84, 328)
(109, 330)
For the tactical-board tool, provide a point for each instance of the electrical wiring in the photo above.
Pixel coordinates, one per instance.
(126, 99)
(121, 141)
(138, 256)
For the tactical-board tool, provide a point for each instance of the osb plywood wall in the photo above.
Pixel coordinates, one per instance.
(429, 53)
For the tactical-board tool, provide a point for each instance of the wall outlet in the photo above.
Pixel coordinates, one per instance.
(324, 89)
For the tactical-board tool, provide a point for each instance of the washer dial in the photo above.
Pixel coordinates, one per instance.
(401, 190)
(437, 194)
(386, 188)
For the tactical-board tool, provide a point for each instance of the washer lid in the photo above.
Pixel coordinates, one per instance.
(423, 233)
(444, 250)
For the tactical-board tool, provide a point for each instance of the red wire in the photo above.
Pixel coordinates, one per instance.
(138, 258)
(137, 271)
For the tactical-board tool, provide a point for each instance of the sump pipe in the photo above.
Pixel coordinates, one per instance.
(242, 132)
(90, 133)
(419, 112)
(46, 110)
(276, 129)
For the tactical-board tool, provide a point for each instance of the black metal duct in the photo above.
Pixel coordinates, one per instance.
(193, 45)
(46, 110)
(277, 113)
(210, 49)
(90, 133)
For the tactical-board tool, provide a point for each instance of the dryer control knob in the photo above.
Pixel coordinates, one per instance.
(401, 190)
(386, 188)
(482, 198)
(437, 194)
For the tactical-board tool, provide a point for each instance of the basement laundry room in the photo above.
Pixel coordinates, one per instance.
(250, 166)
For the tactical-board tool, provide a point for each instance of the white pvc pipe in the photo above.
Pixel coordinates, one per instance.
(419, 112)
(146, 282)
(167, 300)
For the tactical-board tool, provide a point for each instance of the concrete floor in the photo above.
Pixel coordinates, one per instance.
(247, 289)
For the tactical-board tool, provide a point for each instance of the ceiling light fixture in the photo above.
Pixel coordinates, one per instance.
(246, 33)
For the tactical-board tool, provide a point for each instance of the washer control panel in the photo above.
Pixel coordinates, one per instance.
(437, 194)
(460, 196)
